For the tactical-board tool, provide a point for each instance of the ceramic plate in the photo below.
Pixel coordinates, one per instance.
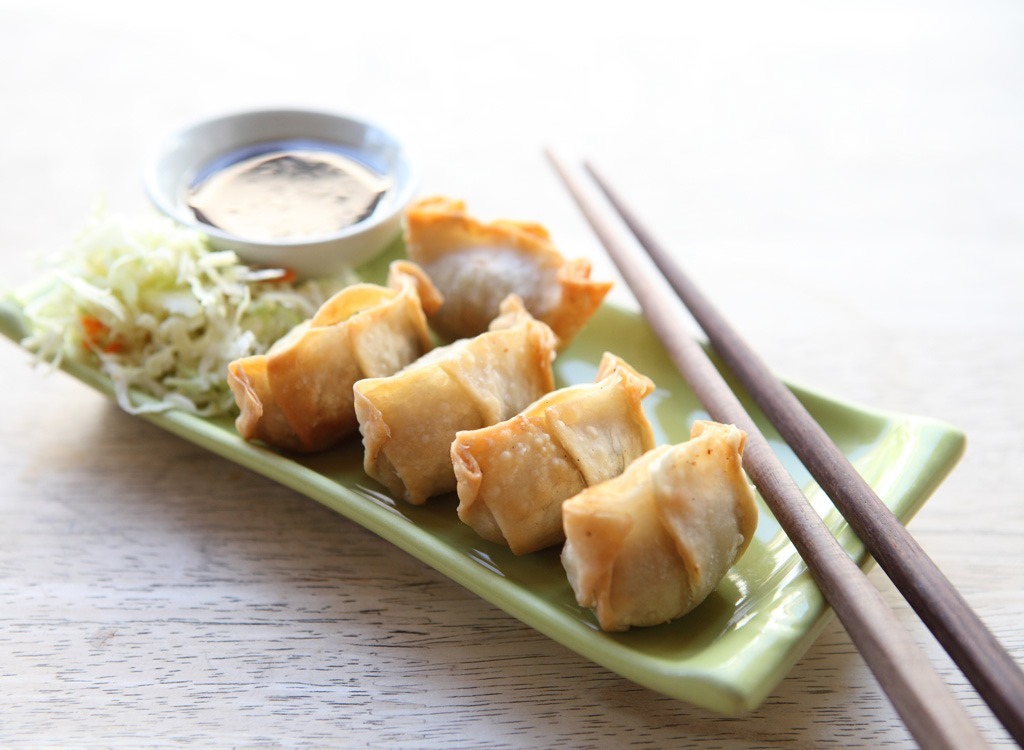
(729, 653)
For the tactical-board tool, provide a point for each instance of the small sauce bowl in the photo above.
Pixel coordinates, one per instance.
(187, 157)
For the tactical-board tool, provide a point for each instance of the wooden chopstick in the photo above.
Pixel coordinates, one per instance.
(926, 705)
(972, 646)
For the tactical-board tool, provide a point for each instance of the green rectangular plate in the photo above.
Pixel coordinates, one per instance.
(729, 653)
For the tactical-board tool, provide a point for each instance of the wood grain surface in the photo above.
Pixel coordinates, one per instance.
(845, 182)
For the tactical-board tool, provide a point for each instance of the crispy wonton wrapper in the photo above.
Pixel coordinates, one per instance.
(651, 544)
(476, 265)
(514, 476)
(298, 396)
(408, 420)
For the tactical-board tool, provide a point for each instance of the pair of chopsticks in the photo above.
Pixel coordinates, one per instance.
(926, 705)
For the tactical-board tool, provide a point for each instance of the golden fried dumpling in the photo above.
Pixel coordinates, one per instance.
(298, 396)
(513, 476)
(651, 544)
(408, 420)
(476, 265)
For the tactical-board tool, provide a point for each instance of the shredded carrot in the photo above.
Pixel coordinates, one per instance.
(94, 327)
(97, 336)
(95, 331)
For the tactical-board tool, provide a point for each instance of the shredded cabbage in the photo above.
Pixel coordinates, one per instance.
(162, 314)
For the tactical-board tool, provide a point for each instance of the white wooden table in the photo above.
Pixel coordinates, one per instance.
(845, 180)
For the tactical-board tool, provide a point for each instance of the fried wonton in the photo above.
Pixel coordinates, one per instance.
(298, 396)
(514, 476)
(651, 544)
(476, 265)
(408, 420)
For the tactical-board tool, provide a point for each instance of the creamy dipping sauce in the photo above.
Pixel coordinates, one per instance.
(288, 194)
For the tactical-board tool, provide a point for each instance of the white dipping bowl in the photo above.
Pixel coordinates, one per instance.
(186, 155)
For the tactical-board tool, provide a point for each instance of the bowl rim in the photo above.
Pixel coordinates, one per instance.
(169, 206)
